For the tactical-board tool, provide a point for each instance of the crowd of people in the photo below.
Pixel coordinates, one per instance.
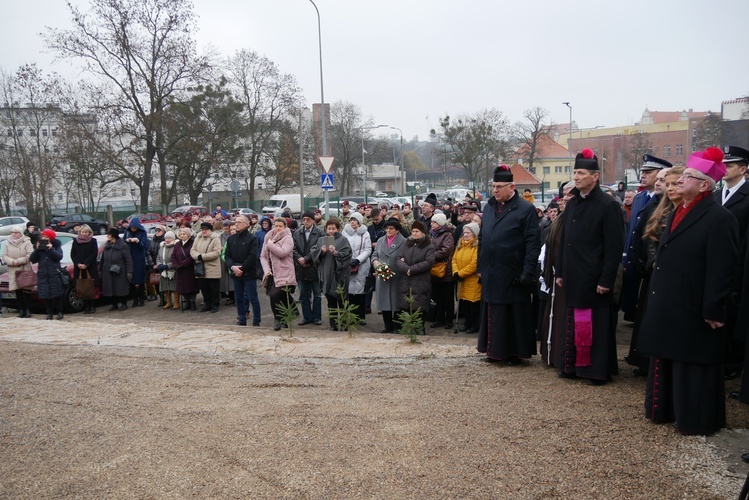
(670, 256)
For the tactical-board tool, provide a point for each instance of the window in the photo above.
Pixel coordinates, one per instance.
(547, 185)
(54, 132)
(547, 170)
(666, 151)
(10, 132)
(32, 132)
(56, 149)
(532, 170)
(558, 170)
(19, 132)
(679, 150)
(44, 132)
(46, 149)
(567, 169)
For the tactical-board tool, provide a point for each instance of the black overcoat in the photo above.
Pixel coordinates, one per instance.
(85, 253)
(302, 248)
(418, 256)
(591, 249)
(694, 266)
(738, 205)
(48, 283)
(508, 246)
(115, 285)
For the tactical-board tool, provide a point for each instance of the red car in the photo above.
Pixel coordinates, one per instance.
(71, 303)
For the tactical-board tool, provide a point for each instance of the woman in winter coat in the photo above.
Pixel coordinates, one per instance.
(207, 249)
(361, 248)
(83, 253)
(277, 259)
(387, 251)
(153, 250)
(414, 268)
(442, 286)
(226, 284)
(333, 266)
(115, 281)
(266, 226)
(183, 263)
(168, 278)
(136, 238)
(464, 267)
(48, 281)
(16, 253)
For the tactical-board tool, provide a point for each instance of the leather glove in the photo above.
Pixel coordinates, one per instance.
(456, 276)
(526, 279)
(354, 262)
(162, 267)
(130, 276)
(200, 257)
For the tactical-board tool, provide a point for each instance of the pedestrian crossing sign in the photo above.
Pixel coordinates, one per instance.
(326, 181)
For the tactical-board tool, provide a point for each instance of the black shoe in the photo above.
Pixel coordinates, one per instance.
(639, 372)
(515, 362)
(123, 307)
(318, 322)
(49, 316)
(214, 309)
(566, 375)
(135, 303)
(28, 313)
(142, 302)
(59, 315)
(734, 395)
(466, 329)
(241, 323)
(193, 306)
(205, 309)
(333, 328)
(255, 324)
(385, 330)
(490, 360)
(448, 326)
(22, 313)
(436, 324)
(595, 381)
(472, 330)
(276, 325)
(305, 322)
(114, 307)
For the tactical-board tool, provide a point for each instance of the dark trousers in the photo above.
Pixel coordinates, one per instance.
(53, 305)
(311, 300)
(442, 295)
(389, 318)
(358, 301)
(245, 293)
(471, 313)
(210, 288)
(23, 300)
(280, 297)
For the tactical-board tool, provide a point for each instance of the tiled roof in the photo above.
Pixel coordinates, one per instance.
(547, 148)
(522, 177)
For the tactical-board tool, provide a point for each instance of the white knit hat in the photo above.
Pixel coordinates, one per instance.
(169, 234)
(358, 217)
(473, 227)
(440, 219)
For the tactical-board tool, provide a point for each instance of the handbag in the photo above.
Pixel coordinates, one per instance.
(439, 269)
(115, 269)
(64, 277)
(198, 268)
(268, 282)
(85, 288)
(26, 279)
(355, 268)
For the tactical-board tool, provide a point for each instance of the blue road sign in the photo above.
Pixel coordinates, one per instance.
(326, 181)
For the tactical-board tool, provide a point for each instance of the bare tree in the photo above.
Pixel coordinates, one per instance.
(144, 51)
(709, 131)
(531, 133)
(639, 144)
(347, 124)
(30, 148)
(476, 141)
(270, 97)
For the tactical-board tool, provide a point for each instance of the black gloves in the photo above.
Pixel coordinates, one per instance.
(162, 267)
(354, 262)
(526, 279)
(456, 276)
(200, 257)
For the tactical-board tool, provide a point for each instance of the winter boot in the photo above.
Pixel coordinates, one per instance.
(22, 313)
(161, 300)
(175, 301)
(166, 300)
(193, 305)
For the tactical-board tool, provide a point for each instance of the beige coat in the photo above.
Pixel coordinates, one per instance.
(210, 249)
(19, 252)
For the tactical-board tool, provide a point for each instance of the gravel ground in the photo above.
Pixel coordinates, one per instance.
(86, 410)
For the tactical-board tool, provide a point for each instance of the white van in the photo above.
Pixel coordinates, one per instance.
(279, 202)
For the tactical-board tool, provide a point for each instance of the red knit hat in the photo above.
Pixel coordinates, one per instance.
(49, 234)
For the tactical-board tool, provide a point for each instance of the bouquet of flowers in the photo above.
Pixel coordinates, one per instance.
(384, 272)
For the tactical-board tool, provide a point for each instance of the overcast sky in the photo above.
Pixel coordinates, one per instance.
(408, 62)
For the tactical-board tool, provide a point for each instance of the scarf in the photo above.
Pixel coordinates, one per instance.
(81, 239)
(390, 240)
(15, 241)
(682, 210)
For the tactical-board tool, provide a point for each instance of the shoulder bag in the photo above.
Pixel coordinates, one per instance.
(26, 279)
(85, 287)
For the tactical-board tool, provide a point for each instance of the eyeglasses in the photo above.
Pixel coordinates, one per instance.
(687, 176)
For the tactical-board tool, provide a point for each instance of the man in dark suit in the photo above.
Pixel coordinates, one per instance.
(310, 295)
(632, 278)
(586, 267)
(684, 325)
(735, 198)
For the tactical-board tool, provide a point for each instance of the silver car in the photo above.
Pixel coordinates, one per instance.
(6, 223)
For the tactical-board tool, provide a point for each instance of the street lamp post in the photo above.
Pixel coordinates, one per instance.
(569, 141)
(322, 104)
(403, 187)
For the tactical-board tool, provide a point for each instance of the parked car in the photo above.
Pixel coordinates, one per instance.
(69, 223)
(149, 220)
(334, 208)
(6, 223)
(189, 211)
(244, 211)
(71, 303)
